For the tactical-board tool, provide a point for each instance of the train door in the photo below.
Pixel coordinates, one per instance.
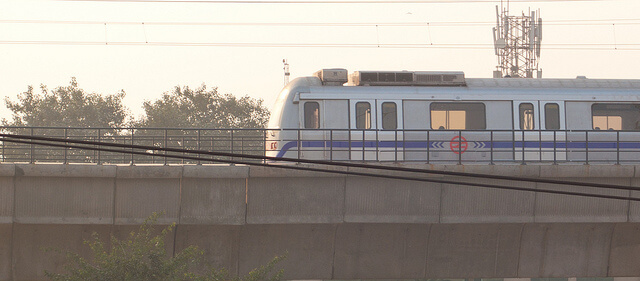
(526, 145)
(389, 134)
(324, 125)
(552, 121)
(363, 128)
(336, 129)
(310, 139)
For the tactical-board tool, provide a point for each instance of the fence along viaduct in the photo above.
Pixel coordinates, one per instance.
(332, 226)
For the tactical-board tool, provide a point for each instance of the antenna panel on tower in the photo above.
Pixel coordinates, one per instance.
(517, 42)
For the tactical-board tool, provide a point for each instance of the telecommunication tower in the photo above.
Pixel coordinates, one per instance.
(517, 42)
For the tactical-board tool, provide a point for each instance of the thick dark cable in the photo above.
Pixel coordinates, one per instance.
(351, 173)
(329, 163)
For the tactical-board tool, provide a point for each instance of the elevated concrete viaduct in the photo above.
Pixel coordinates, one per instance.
(332, 226)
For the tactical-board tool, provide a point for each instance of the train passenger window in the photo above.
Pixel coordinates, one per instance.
(363, 115)
(389, 116)
(311, 115)
(615, 116)
(526, 116)
(552, 116)
(458, 116)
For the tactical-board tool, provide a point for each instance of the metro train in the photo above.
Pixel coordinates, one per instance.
(427, 116)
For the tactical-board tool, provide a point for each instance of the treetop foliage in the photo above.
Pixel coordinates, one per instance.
(203, 108)
(67, 106)
(142, 257)
(183, 107)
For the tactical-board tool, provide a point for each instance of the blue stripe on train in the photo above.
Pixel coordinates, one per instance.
(471, 144)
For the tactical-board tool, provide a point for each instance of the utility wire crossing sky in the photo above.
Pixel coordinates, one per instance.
(148, 47)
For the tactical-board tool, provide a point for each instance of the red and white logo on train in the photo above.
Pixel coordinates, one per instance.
(458, 144)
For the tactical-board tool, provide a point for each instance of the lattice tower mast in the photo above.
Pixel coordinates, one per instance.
(517, 42)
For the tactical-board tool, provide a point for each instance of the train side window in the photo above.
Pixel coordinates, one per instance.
(311, 115)
(552, 116)
(526, 116)
(363, 115)
(615, 116)
(458, 116)
(389, 116)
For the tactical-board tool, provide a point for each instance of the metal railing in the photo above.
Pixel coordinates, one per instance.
(425, 146)
(240, 141)
(462, 146)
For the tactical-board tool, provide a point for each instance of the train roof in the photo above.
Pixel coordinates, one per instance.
(547, 83)
(339, 76)
(335, 84)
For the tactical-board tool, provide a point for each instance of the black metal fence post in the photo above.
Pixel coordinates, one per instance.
(460, 147)
(586, 143)
(491, 147)
(617, 147)
(98, 155)
(66, 149)
(32, 160)
(198, 147)
(132, 143)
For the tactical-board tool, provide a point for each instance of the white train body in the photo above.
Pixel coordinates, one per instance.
(431, 117)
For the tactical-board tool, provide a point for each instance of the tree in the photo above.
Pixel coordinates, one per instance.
(202, 108)
(143, 257)
(68, 106)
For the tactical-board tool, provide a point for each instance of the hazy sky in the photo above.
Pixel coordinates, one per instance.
(48, 42)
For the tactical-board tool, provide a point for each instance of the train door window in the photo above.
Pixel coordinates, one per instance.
(526, 116)
(311, 115)
(389, 116)
(615, 116)
(552, 116)
(363, 115)
(458, 116)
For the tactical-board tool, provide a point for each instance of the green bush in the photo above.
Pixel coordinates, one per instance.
(143, 257)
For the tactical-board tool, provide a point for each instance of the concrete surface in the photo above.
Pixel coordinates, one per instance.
(333, 226)
(361, 251)
(39, 248)
(472, 204)
(369, 200)
(66, 200)
(220, 244)
(213, 201)
(137, 198)
(6, 258)
(568, 208)
(309, 249)
(634, 207)
(552, 250)
(6, 200)
(380, 251)
(479, 250)
(295, 200)
(625, 250)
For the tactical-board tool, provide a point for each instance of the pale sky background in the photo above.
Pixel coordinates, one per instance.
(28, 55)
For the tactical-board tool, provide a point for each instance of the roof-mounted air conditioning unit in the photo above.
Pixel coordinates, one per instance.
(407, 78)
(333, 76)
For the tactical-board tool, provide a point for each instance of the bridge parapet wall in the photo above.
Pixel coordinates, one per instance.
(237, 195)
(334, 226)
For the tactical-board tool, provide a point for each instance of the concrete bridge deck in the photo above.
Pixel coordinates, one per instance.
(333, 226)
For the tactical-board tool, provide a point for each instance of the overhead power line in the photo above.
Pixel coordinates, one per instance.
(576, 22)
(327, 1)
(570, 47)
